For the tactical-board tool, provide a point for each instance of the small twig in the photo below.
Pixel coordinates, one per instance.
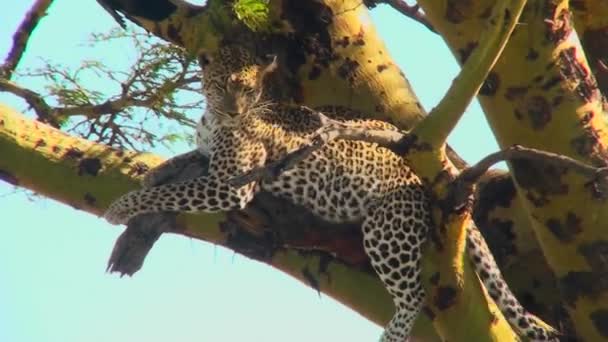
(463, 185)
(410, 11)
(330, 130)
(22, 36)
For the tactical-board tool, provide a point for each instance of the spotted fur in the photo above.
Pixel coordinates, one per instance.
(345, 181)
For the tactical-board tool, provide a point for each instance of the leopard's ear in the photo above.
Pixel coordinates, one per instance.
(273, 65)
(269, 69)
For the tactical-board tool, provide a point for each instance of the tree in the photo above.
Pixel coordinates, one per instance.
(541, 93)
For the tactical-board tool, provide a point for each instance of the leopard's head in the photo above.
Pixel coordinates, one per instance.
(233, 84)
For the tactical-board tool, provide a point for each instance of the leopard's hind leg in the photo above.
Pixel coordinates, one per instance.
(393, 234)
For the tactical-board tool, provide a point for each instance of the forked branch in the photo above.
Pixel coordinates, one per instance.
(440, 122)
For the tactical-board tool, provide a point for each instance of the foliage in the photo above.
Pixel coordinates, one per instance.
(253, 13)
(154, 100)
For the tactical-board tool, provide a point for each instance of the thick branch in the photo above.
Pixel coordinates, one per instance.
(40, 158)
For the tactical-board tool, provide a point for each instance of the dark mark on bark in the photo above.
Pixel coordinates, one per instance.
(174, 35)
(40, 143)
(428, 312)
(310, 20)
(466, 51)
(259, 247)
(344, 42)
(587, 143)
(513, 93)
(445, 297)
(586, 119)
(457, 10)
(90, 199)
(490, 85)
(539, 179)
(311, 279)
(578, 5)
(499, 191)
(139, 169)
(324, 261)
(536, 199)
(555, 80)
(565, 231)
(597, 189)
(600, 321)
(8, 177)
(347, 69)
(574, 71)
(557, 100)
(577, 284)
(532, 54)
(501, 239)
(434, 279)
(596, 255)
(529, 302)
(73, 153)
(89, 166)
(539, 112)
(314, 73)
(507, 16)
(486, 13)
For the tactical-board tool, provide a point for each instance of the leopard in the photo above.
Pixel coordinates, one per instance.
(344, 181)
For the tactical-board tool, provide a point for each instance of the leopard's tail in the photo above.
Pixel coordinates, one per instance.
(523, 322)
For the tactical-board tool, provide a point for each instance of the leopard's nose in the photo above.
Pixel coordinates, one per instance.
(229, 105)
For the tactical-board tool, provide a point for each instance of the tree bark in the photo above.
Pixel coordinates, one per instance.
(542, 95)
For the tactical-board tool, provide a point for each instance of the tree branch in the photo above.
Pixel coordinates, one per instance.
(410, 11)
(463, 186)
(44, 112)
(435, 128)
(22, 36)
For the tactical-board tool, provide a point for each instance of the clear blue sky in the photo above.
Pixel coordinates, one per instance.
(52, 257)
